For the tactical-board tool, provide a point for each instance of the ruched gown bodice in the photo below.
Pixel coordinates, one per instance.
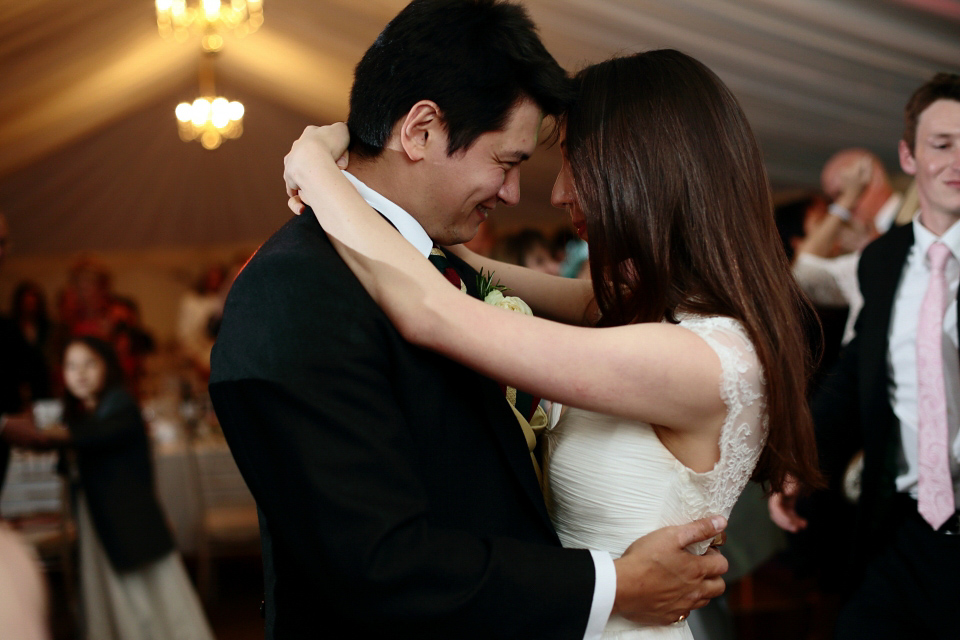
(610, 480)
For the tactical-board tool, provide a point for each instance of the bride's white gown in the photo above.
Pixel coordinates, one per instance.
(610, 480)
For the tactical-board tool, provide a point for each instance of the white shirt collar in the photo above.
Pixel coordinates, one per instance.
(405, 223)
(923, 238)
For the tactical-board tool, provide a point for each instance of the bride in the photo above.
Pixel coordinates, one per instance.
(689, 375)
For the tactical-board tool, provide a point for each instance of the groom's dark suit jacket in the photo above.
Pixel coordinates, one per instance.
(853, 410)
(396, 492)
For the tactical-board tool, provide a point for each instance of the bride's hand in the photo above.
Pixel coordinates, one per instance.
(314, 146)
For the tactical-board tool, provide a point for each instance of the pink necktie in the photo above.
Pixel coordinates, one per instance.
(936, 502)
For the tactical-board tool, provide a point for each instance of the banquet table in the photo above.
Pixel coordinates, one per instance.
(33, 491)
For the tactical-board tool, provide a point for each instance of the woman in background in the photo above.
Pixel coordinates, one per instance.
(528, 248)
(133, 583)
(29, 311)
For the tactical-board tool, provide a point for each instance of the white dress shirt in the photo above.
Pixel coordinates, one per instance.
(887, 214)
(605, 581)
(902, 353)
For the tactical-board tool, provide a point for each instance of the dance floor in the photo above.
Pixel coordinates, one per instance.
(234, 612)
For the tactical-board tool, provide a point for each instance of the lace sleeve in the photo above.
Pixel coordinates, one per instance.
(744, 430)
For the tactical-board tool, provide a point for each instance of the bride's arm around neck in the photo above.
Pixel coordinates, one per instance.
(657, 373)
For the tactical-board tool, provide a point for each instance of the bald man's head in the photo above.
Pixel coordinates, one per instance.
(876, 192)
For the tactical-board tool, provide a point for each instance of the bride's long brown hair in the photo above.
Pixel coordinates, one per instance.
(680, 219)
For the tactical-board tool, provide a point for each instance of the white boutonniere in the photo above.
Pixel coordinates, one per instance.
(492, 293)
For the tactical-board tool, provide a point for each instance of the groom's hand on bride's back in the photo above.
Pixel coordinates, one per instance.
(658, 581)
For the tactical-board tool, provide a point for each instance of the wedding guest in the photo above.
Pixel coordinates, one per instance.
(856, 181)
(863, 206)
(200, 308)
(133, 583)
(527, 248)
(818, 552)
(17, 428)
(895, 394)
(85, 303)
(797, 219)
(130, 339)
(28, 311)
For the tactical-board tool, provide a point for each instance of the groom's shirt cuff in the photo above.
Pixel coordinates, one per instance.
(604, 593)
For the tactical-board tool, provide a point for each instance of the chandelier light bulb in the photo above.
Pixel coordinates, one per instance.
(236, 111)
(210, 120)
(211, 9)
(201, 112)
(184, 112)
(210, 139)
(211, 42)
(206, 18)
(220, 113)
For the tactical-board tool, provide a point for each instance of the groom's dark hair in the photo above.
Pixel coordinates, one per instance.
(475, 58)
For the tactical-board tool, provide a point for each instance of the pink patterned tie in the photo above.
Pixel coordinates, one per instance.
(936, 502)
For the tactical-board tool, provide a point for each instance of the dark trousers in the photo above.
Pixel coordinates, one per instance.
(911, 590)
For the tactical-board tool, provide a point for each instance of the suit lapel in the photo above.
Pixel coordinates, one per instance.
(501, 421)
(503, 424)
(889, 274)
(884, 283)
(498, 417)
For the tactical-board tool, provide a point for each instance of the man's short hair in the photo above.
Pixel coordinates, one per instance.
(475, 58)
(943, 86)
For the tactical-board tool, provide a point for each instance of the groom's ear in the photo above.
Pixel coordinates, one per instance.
(421, 130)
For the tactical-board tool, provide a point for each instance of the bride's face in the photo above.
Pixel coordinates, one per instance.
(564, 195)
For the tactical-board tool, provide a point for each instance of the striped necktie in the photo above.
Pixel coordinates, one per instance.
(440, 261)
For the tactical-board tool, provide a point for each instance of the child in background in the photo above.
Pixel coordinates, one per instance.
(133, 583)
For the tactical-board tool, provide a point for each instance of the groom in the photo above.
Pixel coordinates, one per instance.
(395, 487)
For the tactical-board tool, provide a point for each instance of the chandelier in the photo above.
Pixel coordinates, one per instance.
(210, 119)
(209, 18)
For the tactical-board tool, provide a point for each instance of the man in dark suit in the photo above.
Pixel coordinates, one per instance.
(896, 395)
(16, 421)
(396, 489)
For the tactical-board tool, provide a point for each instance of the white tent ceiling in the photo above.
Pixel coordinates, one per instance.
(90, 158)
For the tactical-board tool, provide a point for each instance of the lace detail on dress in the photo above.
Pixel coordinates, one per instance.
(610, 480)
(744, 431)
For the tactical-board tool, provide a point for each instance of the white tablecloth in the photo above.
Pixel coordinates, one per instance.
(33, 487)
(178, 485)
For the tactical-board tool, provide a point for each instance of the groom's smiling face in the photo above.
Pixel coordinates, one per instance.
(465, 187)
